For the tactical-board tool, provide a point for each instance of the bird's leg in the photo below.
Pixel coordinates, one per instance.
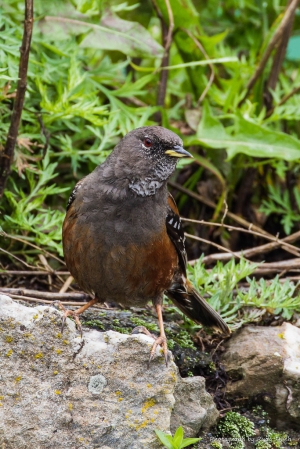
(162, 339)
(75, 313)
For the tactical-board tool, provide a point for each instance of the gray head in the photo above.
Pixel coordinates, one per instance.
(146, 157)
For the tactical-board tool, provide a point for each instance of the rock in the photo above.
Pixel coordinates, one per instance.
(264, 363)
(193, 408)
(58, 391)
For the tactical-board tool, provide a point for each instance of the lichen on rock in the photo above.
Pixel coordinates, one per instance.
(92, 393)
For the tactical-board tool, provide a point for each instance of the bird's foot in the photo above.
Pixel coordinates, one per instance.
(162, 341)
(68, 313)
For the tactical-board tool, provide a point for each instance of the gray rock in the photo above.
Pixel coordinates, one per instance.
(264, 362)
(58, 391)
(193, 408)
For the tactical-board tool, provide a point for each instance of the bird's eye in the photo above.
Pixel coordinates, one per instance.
(147, 142)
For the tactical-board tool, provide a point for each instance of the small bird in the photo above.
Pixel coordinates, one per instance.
(122, 235)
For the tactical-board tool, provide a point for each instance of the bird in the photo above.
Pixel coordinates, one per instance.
(122, 235)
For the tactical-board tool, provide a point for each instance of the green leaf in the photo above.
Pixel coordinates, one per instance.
(189, 441)
(184, 12)
(248, 138)
(186, 64)
(204, 162)
(210, 130)
(178, 437)
(165, 439)
(130, 38)
(257, 141)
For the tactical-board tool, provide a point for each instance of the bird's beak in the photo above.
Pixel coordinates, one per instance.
(178, 151)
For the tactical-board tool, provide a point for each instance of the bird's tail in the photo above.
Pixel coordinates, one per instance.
(196, 308)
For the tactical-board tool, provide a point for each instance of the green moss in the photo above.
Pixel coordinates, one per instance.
(237, 428)
(93, 323)
(122, 330)
(216, 444)
(140, 322)
(184, 340)
(263, 444)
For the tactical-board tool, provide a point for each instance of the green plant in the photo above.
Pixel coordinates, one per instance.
(216, 445)
(242, 305)
(176, 442)
(139, 322)
(94, 75)
(236, 428)
(279, 203)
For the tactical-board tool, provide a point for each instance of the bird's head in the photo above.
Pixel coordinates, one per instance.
(147, 157)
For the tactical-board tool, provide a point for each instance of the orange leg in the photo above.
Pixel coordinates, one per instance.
(162, 339)
(75, 313)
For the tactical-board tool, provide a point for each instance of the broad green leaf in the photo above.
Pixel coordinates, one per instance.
(210, 130)
(178, 437)
(257, 141)
(189, 441)
(248, 138)
(130, 38)
(165, 439)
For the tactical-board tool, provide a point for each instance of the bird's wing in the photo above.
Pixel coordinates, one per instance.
(175, 232)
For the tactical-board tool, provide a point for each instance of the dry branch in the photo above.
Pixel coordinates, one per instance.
(213, 205)
(277, 267)
(278, 61)
(32, 273)
(45, 295)
(167, 41)
(289, 13)
(247, 253)
(8, 153)
(283, 100)
(283, 243)
(212, 71)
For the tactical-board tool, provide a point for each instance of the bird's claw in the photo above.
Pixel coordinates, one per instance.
(66, 314)
(162, 341)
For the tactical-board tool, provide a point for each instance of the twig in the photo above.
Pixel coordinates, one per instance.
(46, 295)
(290, 11)
(26, 242)
(283, 100)
(47, 267)
(17, 258)
(171, 26)
(32, 273)
(278, 61)
(8, 153)
(247, 253)
(212, 71)
(45, 133)
(279, 242)
(213, 205)
(66, 284)
(228, 252)
(287, 265)
(225, 212)
(65, 303)
(167, 40)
